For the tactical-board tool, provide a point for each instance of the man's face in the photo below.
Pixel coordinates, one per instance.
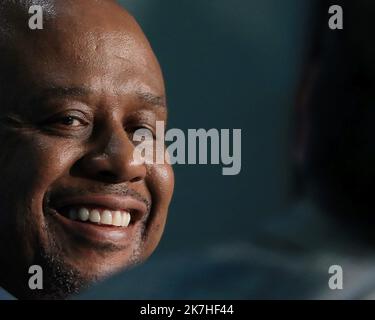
(81, 86)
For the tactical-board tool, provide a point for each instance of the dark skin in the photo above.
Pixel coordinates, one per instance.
(73, 95)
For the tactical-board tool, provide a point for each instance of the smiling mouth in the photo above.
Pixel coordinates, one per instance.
(111, 211)
(98, 216)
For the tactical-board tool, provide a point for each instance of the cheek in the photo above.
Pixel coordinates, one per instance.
(29, 165)
(160, 182)
(38, 161)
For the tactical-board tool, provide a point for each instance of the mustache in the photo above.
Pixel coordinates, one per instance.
(116, 190)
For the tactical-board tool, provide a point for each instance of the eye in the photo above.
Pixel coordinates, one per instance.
(67, 122)
(70, 121)
(138, 127)
(132, 129)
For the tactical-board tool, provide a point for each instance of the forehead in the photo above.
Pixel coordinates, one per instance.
(103, 49)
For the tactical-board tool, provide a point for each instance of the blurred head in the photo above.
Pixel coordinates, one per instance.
(336, 113)
(72, 199)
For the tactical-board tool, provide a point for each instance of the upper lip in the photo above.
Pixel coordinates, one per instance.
(108, 201)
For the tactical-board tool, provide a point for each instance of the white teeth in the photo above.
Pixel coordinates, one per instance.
(106, 217)
(94, 216)
(125, 219)
(83, 214)
(117, 219)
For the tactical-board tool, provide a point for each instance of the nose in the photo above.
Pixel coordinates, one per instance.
(111, 160)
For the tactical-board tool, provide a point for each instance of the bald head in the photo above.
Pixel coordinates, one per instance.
(72, 95)
(85, 33)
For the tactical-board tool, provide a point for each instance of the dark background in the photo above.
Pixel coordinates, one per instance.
(228, 64)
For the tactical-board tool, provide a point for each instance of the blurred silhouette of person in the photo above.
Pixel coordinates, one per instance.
(334, 152)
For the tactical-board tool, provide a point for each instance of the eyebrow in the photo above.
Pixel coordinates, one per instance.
(68, 91)
(61, 92)
(152, 99)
